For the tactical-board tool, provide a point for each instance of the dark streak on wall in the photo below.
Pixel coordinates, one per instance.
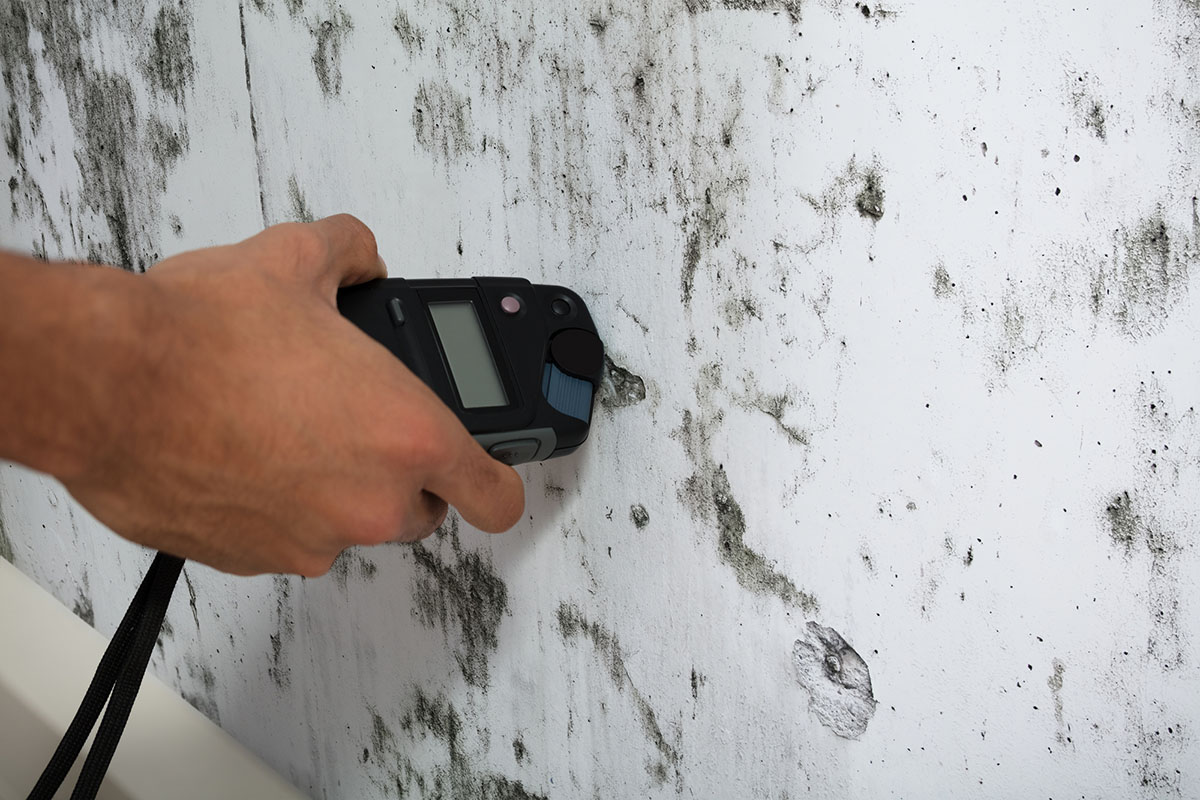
(461, 589)
(300, 210)
(330, 35)
(457, 777)
(169, 65)
(572, 624)
(280, 669)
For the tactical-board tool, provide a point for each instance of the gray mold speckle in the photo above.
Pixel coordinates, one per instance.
(351, 563)
(836, 679)
(300, 210)
(520, 753)
(169, 65)
(280, 669)
(330, 35)
(410, 35)
(639, 515)
(436, 717)
(441, 119)
(943, 286)
(691, 262)
(620, 387)
(1148, 277)
(460, 588)
(83, 605)
(869, 200)
(775, 406)
(1055, 682)
(572, 624)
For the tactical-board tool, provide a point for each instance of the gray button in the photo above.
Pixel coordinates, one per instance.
(397, 311)
(516, 452)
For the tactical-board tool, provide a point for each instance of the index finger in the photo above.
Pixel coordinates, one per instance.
(489, 495)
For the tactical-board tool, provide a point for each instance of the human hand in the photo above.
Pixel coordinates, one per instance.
(249, 426)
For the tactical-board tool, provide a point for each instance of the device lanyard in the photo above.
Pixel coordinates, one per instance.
(116, 683)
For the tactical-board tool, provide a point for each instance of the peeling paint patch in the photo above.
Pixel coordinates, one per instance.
(620, 388)
(836, 679)
(460, 589)
(572, 624)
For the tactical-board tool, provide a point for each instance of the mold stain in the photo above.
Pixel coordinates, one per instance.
(441, 120)
(836, 679)
(573, 625)
(279, 669)
(82, 607)
(120, 177)
(191, 590)
(300, 210)
(329, 36)
(6, 545)
(204, 700)
(435, 718)
(619, 387)
(460, 589)
(169, 65)
(1055, 682)
(790, 7)
(639, 515)
(943, 286)
(869, 200)
(351, 564)
(708, 495)
(776, 406)
(411, 36)
(1134, 531)
(1148, 276)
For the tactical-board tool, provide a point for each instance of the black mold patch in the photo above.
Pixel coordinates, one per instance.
(352, 564)
(191, 590)
(205, 700)
(410, 35)
(166, 146)
(300, 210)
(330, 35)
(572, 624)
(1055, 682)
(285, 632)
(775, 406)
(82, 607)
(836, 679)
(6, 545)
(1148, 277)
(169, 65)
(436, 718)
(869, 200)
(1135, 530)
(462, 589)
(620, 388)
(519, 751)
(639, 515)
(121, 177)
(792, 7)
(691, 262)
(942, 285)
(441, 119)
(709, 496)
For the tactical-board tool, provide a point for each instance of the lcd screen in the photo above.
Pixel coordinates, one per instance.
(471, 363)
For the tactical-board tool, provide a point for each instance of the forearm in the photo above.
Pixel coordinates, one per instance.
(63, 342)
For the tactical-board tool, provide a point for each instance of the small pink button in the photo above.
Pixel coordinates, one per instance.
(510, 304)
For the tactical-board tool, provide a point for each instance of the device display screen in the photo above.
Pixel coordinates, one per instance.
(471, 363)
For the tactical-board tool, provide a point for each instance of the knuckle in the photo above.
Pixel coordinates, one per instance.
(357, 229)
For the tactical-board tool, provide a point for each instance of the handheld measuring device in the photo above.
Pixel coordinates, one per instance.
(519, 363)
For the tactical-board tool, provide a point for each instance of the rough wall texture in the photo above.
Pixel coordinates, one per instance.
(893, 487)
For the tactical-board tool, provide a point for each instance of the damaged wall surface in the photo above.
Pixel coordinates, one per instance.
(892, 487)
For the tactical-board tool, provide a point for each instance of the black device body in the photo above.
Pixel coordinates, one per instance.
(533, 401)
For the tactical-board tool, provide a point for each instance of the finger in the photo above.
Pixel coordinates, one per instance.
(333, 252)
(428, 516)
(489, 495)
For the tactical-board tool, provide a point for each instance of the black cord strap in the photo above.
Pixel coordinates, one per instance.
(115, 683)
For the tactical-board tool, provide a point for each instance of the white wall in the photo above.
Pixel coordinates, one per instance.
(901, 308)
